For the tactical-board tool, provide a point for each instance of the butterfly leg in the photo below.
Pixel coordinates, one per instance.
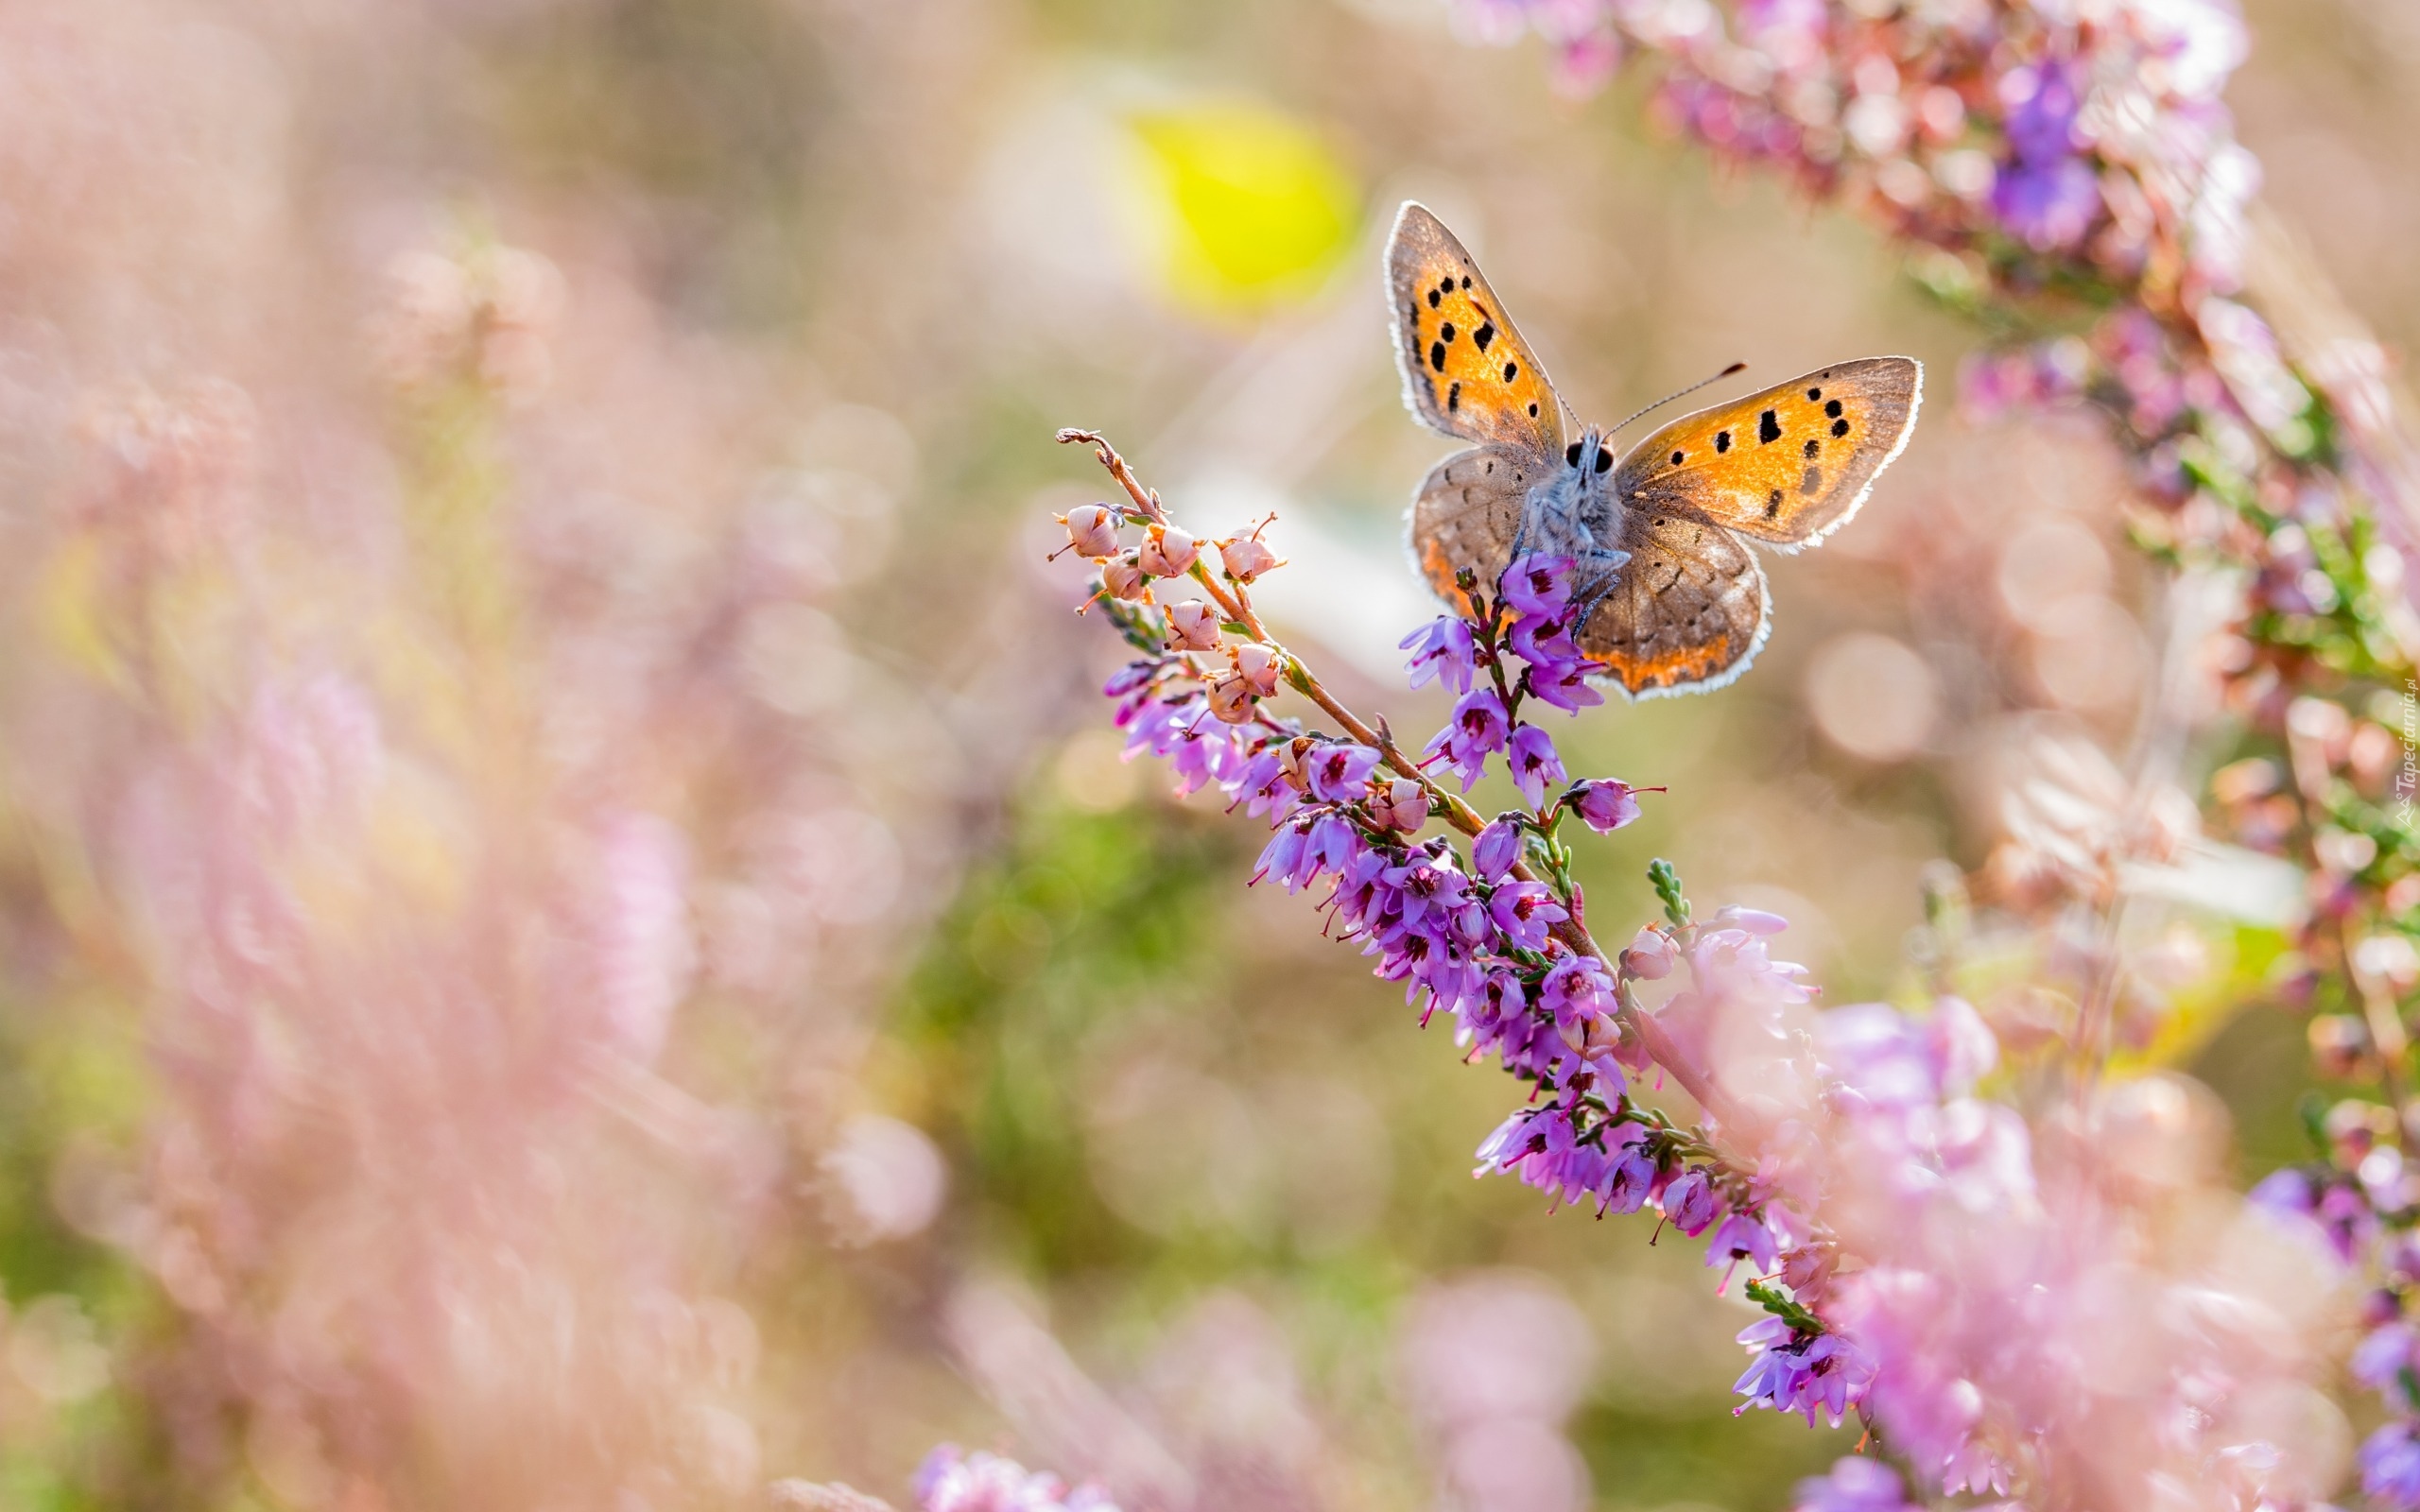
(1600, 572)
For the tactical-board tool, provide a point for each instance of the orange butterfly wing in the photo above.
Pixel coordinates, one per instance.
(1466, 372)
(1787, 466)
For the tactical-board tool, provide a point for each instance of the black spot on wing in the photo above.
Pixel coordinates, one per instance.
(1721, 441)
(1446, 333)
(1485, 334)
(1454, 400)
(1512, 371)
(1814, 394)
(1678, 456)
(1840, 427)
(1773, 504)
(1767, 427)
(1434, 299)
(1467, 281)
(1814, 448)
(1534, 409)
(1437, 355)
(1833, 409)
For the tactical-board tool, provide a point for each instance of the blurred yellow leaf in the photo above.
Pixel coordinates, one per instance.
(1244, 207)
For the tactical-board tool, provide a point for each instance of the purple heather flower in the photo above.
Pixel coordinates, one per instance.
(1444, 650)
(1790, 1372)
(1575, 990)
(1742, 1236)
(1339, 770)
(1565, 684)
(1523, 912)
(1539, 586)
(2391, 1467)
(2042, 104)
(1856, 1484)
(1631, 1171)
(1604, 804)
(1497, 848)
(1536, 764)
(1691, 1203)
(1479, 726)
(1542, 643)
(2383, 1361)
(2048, 208)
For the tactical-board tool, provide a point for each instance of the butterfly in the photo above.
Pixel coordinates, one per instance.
(1662, 533)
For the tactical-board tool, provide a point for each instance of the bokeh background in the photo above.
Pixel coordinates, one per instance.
(570, 931)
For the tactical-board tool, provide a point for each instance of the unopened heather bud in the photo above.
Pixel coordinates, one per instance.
(1260, 666)
(1691, 1203)
(1168, 551)
(1092, 530)
(1604, 804)
(1193, 625)
(1650, 956)
(1497, 848)
(1402, 804)
(1123, 577)
(1246, 559)
(1231, 699)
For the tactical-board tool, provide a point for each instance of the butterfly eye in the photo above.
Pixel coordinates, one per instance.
(1604, 461)
(1571, 454)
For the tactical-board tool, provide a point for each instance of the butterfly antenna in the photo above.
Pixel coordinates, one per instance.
(1736, 367)
(1568, 413)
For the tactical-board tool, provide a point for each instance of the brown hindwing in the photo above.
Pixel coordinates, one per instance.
(1689, 612)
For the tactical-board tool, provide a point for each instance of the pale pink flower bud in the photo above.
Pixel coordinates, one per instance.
(1231, 699)
(1650, 956)
(1092, 530)
(1289, 761)
(1402, 804)
(1260, 666)
(1193, 625)
(1123, 578)
(1168, 551)
(1246, 559)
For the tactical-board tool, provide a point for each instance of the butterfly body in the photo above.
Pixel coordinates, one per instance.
(1673, 600)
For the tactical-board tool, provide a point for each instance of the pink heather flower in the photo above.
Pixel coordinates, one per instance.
(1631, 1171)
(1650, 956)
(952, 1480)
(1168, 551)
(1856, 1484)
(1691, 1202)
(1123, 577)
(1193, 625)
(1444, 650)
(1231, 697)
(1536, 764)
(1754, 921)
(1497, 846)
(1604, 804)
(1338, 771)
(1092, 530)
(1402, 804)
(1246, 559)
(1260, 667)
